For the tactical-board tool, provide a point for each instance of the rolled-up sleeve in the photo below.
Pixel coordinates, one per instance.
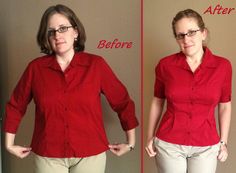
(117, 96)
(17, 105)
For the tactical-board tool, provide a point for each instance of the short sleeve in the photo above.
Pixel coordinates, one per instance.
(117, 96)
(226, 90)
(159, 87)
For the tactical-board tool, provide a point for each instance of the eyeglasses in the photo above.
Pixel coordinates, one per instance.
(189, 34)
(62, 29)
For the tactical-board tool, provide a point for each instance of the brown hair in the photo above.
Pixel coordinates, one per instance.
(42, 36)
(188, 13)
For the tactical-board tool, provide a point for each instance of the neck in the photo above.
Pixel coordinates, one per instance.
(196, 58)
(65, 58)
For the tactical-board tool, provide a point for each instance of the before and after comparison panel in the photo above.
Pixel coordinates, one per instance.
(138, 86)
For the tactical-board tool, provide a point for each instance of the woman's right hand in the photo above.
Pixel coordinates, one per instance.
(16, 150)
(154, 118)
(19, 151)
(150, 148)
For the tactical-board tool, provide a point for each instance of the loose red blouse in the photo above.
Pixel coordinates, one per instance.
(192, 98)
(68, 114)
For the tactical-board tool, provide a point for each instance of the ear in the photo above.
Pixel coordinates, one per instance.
(76, 32)
(204, 34)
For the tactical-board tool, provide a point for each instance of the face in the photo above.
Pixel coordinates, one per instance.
(62, 40)
(191, 44)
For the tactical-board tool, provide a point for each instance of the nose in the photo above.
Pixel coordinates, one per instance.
(57, 35)
(186, 39)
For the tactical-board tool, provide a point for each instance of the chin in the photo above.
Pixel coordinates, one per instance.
(189, 52)
(61, 51)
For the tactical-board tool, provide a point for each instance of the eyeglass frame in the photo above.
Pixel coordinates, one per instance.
(52, 32)
(190, 33)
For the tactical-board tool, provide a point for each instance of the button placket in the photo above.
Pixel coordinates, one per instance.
(66, 76)
(192, 89)
(65, 109)
(67, 141)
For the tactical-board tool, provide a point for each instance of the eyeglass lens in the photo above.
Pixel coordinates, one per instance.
(189, 34)
(62, 29)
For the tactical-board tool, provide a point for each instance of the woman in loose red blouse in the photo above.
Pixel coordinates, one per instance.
(66, 86)
(193, 82)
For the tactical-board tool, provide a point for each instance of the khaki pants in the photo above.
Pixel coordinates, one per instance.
(172, 158)
(92, 164)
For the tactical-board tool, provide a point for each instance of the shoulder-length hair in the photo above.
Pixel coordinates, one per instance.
(42, 36)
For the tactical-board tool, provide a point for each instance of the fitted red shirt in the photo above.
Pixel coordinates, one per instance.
(68, 114)
(191, 98)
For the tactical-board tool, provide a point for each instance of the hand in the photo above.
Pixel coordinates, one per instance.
(150, 149)
(19, 151)
(119, 149)
(223, 153)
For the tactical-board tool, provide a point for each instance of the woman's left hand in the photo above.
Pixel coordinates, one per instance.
(223, 153)
(119, 149)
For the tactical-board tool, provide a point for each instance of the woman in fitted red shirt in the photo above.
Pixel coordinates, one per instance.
(66, 86)
(193, 82)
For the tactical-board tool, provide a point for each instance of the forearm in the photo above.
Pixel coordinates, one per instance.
(130, 136)
(9, 139)
(224, 112)
(154, 116)
(122, 148)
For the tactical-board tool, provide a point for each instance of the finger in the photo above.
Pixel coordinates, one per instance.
(114, 145)
(25, 154)
(153, 153)
(150, 151)
(221, 155)
(24, 150)
(114, 151)
(22, 154)
(119, 152)
(223, 159)
(115, 148)
(27, 149)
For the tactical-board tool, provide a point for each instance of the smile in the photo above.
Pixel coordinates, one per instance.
(188, 46)
(59, 43)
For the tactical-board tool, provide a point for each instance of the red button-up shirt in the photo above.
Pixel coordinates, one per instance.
(192, 98)
(68, 115)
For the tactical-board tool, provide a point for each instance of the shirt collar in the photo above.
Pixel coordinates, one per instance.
(208, 60)
(79, 59)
